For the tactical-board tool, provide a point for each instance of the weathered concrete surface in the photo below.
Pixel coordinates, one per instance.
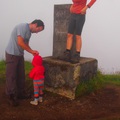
(63, 77)
(61, 20)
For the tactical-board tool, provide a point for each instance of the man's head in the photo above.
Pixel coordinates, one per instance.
(36, 26)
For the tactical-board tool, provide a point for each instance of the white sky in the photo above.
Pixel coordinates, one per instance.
(101, 36)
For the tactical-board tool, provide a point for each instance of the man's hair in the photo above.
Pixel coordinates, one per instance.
(38, 22)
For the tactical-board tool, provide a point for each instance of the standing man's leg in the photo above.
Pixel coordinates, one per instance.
(71, 27)
(69, 41)
(80, 20)
(21, 78)
(11, 68)
(76, 57)
(78, 43)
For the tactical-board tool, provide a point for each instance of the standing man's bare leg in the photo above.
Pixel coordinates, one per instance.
(78, 43)
(69, 41)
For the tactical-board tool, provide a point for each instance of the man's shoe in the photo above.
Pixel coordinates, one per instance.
(75, 58)
(13, 100)
(66, 56)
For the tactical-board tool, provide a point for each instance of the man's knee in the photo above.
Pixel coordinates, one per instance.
(78, 36)
(69, 35)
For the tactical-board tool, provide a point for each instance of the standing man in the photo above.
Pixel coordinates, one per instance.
(15, 72)
(78, 11)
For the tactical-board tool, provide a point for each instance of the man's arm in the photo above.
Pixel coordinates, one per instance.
(25, 46)
(83, 11)
(91, 3)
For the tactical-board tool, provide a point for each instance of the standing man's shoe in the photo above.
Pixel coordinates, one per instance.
(75, 58)
(66, 56)
(13, 100)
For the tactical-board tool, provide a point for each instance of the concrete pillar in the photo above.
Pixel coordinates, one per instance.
(61, 20)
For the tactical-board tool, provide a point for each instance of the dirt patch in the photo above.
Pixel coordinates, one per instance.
(102, 105)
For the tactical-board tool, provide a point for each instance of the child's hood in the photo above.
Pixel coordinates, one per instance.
(37, 60)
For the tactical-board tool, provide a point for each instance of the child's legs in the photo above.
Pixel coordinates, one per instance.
(36, 89)
(41, 87)
(41, 91)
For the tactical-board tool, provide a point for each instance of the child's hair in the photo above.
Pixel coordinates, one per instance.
(38, 22)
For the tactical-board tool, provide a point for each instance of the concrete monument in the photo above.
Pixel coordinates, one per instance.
(63, 77)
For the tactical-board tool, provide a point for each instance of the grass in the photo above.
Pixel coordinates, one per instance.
(89, 86)
(2, 71)
(28, 67)
(98, 82)
(85, 87)
(112, 79)
(2, 67)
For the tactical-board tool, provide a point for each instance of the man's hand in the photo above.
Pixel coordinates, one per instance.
(26, 46)
(83, 11)
(35, 52)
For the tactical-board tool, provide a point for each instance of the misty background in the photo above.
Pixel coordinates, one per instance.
(100, 36)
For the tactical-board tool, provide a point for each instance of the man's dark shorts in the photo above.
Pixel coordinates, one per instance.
(76, 24)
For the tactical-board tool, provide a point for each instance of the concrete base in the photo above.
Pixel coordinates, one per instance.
(63, 77)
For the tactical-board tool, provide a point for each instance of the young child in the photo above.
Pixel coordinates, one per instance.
(37, 74)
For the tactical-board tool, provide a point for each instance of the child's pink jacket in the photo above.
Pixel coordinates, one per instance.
(38, 69)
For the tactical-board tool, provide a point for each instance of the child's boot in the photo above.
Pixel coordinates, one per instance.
(40, 99)
(34, 102)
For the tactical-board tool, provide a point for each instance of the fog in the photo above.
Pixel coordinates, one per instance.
(101, 34)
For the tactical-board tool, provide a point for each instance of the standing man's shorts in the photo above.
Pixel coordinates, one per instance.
(76, 24)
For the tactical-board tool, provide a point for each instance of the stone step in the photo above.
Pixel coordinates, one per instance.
(63, 77)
